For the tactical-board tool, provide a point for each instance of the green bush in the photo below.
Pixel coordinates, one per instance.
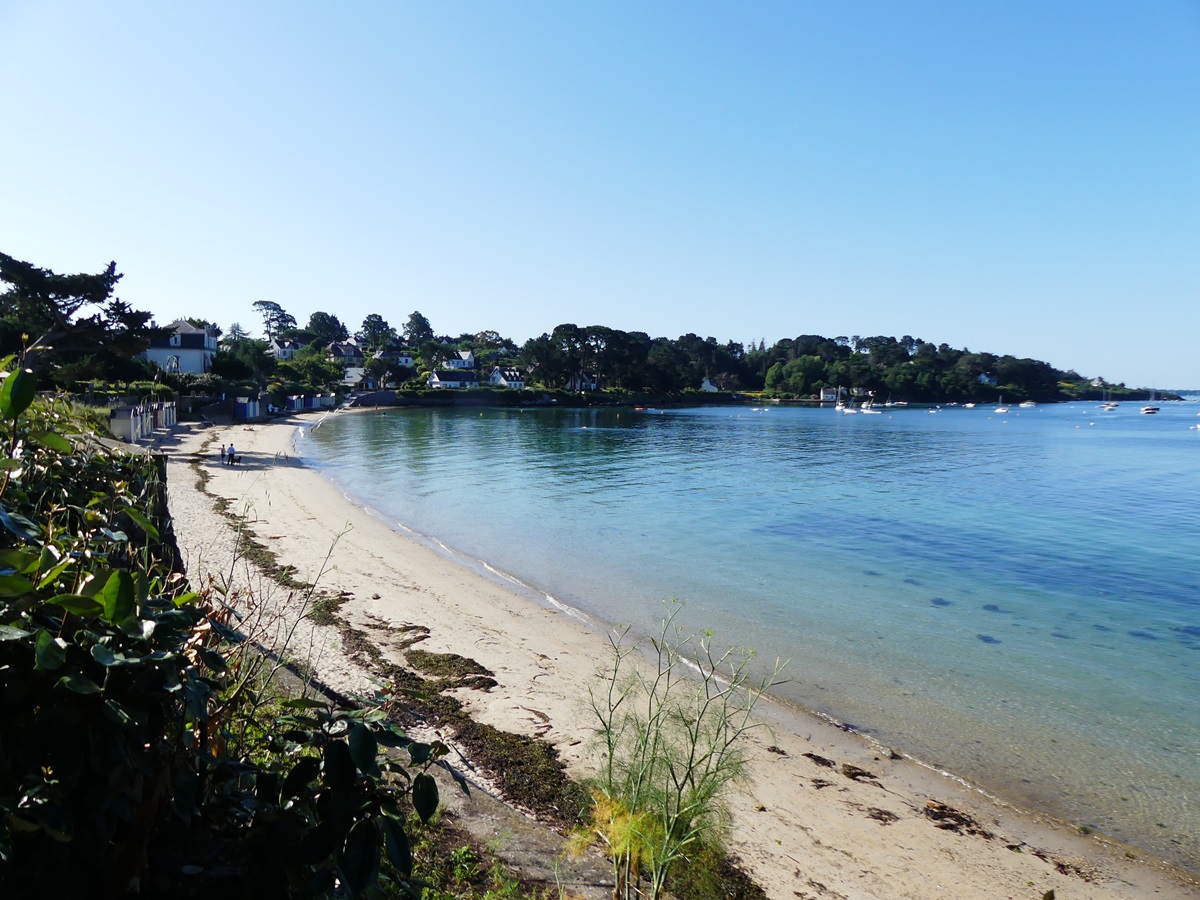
(138, 756)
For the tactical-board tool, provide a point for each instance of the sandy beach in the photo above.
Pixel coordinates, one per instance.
(802, 828)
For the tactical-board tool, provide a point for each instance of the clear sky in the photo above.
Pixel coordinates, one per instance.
(1016, 177)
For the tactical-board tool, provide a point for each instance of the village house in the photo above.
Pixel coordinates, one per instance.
(453, 379)
(509, 378)
(461, 359)
(397, 356)
(346, 353)
(283, 350)
(186, 349)
(583, 381)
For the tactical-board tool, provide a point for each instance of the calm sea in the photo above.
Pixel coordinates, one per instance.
(1014, 598)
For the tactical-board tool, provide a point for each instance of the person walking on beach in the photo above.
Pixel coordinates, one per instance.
(231, 455)
(222, 456)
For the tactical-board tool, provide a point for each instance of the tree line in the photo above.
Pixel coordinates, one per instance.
(42, 314)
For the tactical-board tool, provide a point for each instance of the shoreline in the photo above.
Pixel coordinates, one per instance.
(800, 828)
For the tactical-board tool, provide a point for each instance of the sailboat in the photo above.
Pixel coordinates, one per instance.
(1109, 404)
(1001, 408)
(1150, 408)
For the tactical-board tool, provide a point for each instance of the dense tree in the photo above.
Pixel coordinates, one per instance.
(326, 328)
(375, 333)
(244, 360)
(236, 333)
(311, 368)
(417, 330)
(275, 318)
(40, 314)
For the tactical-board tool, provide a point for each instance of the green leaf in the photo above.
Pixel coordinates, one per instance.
(15, 586)
(118, 597)
(11, 633)
(359, 864)
(10, 465)
(212, 659)
(104, 656)
(339, 767)
(80, 684)
(50, 652)
(363, 748)
(16, 393)
(303, 772)
(74, 603)
(18, 524)
(143, 523)
(425, 796)
(52, 574)
(399, 850)
(51, 441)
(19, 560)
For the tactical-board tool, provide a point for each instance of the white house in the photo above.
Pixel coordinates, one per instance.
(396, 357)
(462, 359)
(583, 381)
(986, 378)
(347, 353)
(829, 394)
(454, 379)
(708, 386)
(509, 378)
(284, 350)
(187, 349)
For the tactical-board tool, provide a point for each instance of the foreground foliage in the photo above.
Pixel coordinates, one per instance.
(672, 735)
(138, 751)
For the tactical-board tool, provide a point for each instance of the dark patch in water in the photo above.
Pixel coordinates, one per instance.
(1033, 566)
(992, 607)
(871, 572)
(1189, 630)
(1145, 635)
(988, 639)
(1061, 637)
(1102, 628)
(941, 601)
(912, 581)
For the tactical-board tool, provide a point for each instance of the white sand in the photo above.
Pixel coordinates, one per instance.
(796, 839)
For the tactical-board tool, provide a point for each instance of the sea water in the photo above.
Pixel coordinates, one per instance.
(1014, 598)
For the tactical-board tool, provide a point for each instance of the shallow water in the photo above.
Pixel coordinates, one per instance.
(1014, 598)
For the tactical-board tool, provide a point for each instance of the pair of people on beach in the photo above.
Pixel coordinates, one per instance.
(228, 457)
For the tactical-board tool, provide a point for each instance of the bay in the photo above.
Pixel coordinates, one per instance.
(1012, 598)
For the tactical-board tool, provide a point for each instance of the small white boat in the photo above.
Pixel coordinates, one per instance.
(1150, 408)
(1001, 408)
(968, 406)
(1028, 404)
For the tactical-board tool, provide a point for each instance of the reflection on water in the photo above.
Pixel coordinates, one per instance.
(1014, 598)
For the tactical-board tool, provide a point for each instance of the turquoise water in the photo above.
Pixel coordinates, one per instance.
(1013, 598)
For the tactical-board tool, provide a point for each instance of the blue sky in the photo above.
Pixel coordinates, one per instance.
(1017, 178)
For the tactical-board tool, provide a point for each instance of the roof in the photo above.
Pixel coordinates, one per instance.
(183, 326)
(455, 376)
